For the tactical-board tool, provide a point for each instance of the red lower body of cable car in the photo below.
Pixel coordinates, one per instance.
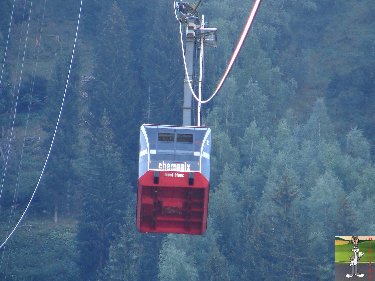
(172, 202)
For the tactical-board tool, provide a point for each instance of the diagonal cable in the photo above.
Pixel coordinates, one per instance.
(55, 131)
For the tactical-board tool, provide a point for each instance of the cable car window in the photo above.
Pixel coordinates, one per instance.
(166, 137)
(187, 138)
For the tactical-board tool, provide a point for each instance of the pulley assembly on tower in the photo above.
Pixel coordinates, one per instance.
(197, 35)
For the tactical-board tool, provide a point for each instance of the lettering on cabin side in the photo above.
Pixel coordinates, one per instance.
(180, 167)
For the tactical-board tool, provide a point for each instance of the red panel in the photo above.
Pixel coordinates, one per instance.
(172, 205)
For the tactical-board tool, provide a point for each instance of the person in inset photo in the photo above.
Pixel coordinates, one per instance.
(354, 259)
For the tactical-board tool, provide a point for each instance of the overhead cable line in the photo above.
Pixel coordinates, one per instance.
(54, 133)
(233, 57)
(16, 100)
(183, 52)
(15, 195)
(237, 50)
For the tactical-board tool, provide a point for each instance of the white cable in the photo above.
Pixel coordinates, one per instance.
(1, 79)
(183, 54)
(237, 50)
(54, 134)
(6, 44)
(30, 101)
(233, 58)
(16, 102)
(12, 213)
(29, 109)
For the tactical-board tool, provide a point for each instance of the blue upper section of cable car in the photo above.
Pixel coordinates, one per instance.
(172, 148)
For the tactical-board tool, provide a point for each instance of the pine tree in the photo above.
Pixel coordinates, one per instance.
(60, 176)
(357, 145)
(125, 253)
(319, 126)
(327, 217)
(226, 213)
(279, 239)
(223, 153)
(175, 264)
(114, 84)
(104, 201)
(217, 268)
(162, 67)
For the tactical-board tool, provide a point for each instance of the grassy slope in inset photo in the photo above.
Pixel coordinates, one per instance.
(344, 252)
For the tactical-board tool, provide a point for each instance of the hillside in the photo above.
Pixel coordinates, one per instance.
(292, 160)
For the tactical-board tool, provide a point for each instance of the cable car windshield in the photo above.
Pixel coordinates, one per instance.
(174, 148)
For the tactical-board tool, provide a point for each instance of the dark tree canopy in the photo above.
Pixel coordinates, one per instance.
(293, 134)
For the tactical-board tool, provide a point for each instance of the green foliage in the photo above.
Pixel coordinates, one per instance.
(5, 8)
(344, 252)
(225, 153)
(226, 209)
(113, 86)
(357, 145)
(319, 125)
(92, 19)
(325, 202)
(162, 72)
(175, 264)
(33, 89)
(41, 251)
(293, 138)
(103, 201)
(278, 226)
(217, 266)
(125, 253)
(60, 177)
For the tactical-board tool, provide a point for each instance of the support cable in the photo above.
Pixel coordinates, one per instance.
(17, 68)
(237, 50)
(233, 57)
(15, 195)
(55, 131)
(16, 100)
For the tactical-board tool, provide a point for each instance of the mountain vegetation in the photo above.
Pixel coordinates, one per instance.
(293, 132)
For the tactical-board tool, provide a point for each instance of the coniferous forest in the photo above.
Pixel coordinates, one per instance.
(292, 160)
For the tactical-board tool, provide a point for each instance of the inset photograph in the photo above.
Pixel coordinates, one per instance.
(354, 257)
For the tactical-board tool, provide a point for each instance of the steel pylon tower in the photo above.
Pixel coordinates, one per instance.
(196, 36)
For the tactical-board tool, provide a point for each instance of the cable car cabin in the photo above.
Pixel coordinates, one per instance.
(174, 179)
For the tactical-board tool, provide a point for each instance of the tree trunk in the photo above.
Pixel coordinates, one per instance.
(55, 217)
